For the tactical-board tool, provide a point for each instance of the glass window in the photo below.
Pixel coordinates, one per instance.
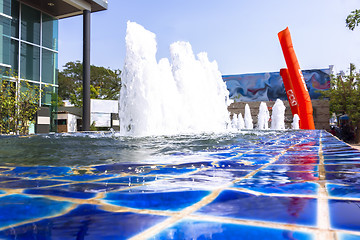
(30, 62)
(14, 56)
(5, 7)
(49, 67)
(12, 68)
(30, 24)
(4, 41)
(48, 94)
(15, 19)
(30, 89)
(50, 32)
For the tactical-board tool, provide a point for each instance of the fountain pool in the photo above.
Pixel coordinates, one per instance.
(200, 179)
(246, 185)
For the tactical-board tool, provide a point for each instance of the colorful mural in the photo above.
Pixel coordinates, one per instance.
(269, 86)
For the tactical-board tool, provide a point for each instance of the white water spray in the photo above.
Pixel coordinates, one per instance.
(295, 124)
(241, 122)
(263, 117)
(248, 118)
(278, 116)
(186, 95)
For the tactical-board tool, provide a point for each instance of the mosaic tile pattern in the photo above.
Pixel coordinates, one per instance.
(297, 185)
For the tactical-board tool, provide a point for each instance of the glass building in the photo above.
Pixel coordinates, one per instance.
(29, 41)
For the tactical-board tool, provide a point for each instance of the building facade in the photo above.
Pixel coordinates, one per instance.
(29, 45)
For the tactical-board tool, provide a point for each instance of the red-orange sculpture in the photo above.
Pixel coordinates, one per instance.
(297, 79)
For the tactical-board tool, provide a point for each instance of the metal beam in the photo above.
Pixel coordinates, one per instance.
(86, 71)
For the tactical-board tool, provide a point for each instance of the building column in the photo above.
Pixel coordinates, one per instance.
(86, 71)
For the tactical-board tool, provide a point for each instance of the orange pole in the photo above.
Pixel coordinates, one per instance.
(298, 82)
(290, 92)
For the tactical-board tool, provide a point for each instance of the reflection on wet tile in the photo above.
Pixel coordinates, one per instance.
(287, 159)
(80, 190)
(131, 180)
(343, 178)
(85, 222)
(83, 177)
(292, 210)
(306, 176)
(38, 171)
(348, 191)
(191, 229)
(17, 208)
(170, 171)
(343, 168)
(292, 168)
(28, 183)
(345, 214)
(172, 201)
(280, 187)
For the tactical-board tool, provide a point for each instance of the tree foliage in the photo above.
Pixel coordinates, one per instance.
(19, 102)
(344, 96)
(353, 19)
(104, 83)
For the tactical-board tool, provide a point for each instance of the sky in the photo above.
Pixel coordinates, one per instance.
(240, 35)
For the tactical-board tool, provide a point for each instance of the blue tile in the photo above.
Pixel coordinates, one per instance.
(282, 187)
(306, 176)
(347, 191)
(17, 208)
(343, 178)
(170, 171)
(344, 236)
(131, 180)
(16, 184)
(60, 193)
(297, 168)
(85, 222)
(238, 165)
(343, 168)
(83, 177)
(227, 175)
(119, 168)
(80, 190)
(191, 229)
(345, 214)
(288, 159)
(172, 201)
(343, 161)
(38, 171)
(347, 155)
(240, 205)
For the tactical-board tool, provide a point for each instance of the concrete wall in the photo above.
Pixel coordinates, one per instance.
(321, 112)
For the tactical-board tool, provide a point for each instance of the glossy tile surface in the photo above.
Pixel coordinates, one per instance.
(253, 185)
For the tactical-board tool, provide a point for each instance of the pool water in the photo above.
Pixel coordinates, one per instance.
(249, 185)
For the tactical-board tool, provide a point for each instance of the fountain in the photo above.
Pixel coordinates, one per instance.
(248, 119)
(278, 116)
(296, 122)
(263, 117)
(182, 96)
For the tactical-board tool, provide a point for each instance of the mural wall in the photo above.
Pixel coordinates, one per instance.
(269, 86)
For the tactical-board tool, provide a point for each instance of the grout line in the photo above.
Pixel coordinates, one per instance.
(323, 218)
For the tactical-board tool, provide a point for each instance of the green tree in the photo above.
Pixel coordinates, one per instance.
(353, 19)
(344, 96)
(104, 83)
(19, 101)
